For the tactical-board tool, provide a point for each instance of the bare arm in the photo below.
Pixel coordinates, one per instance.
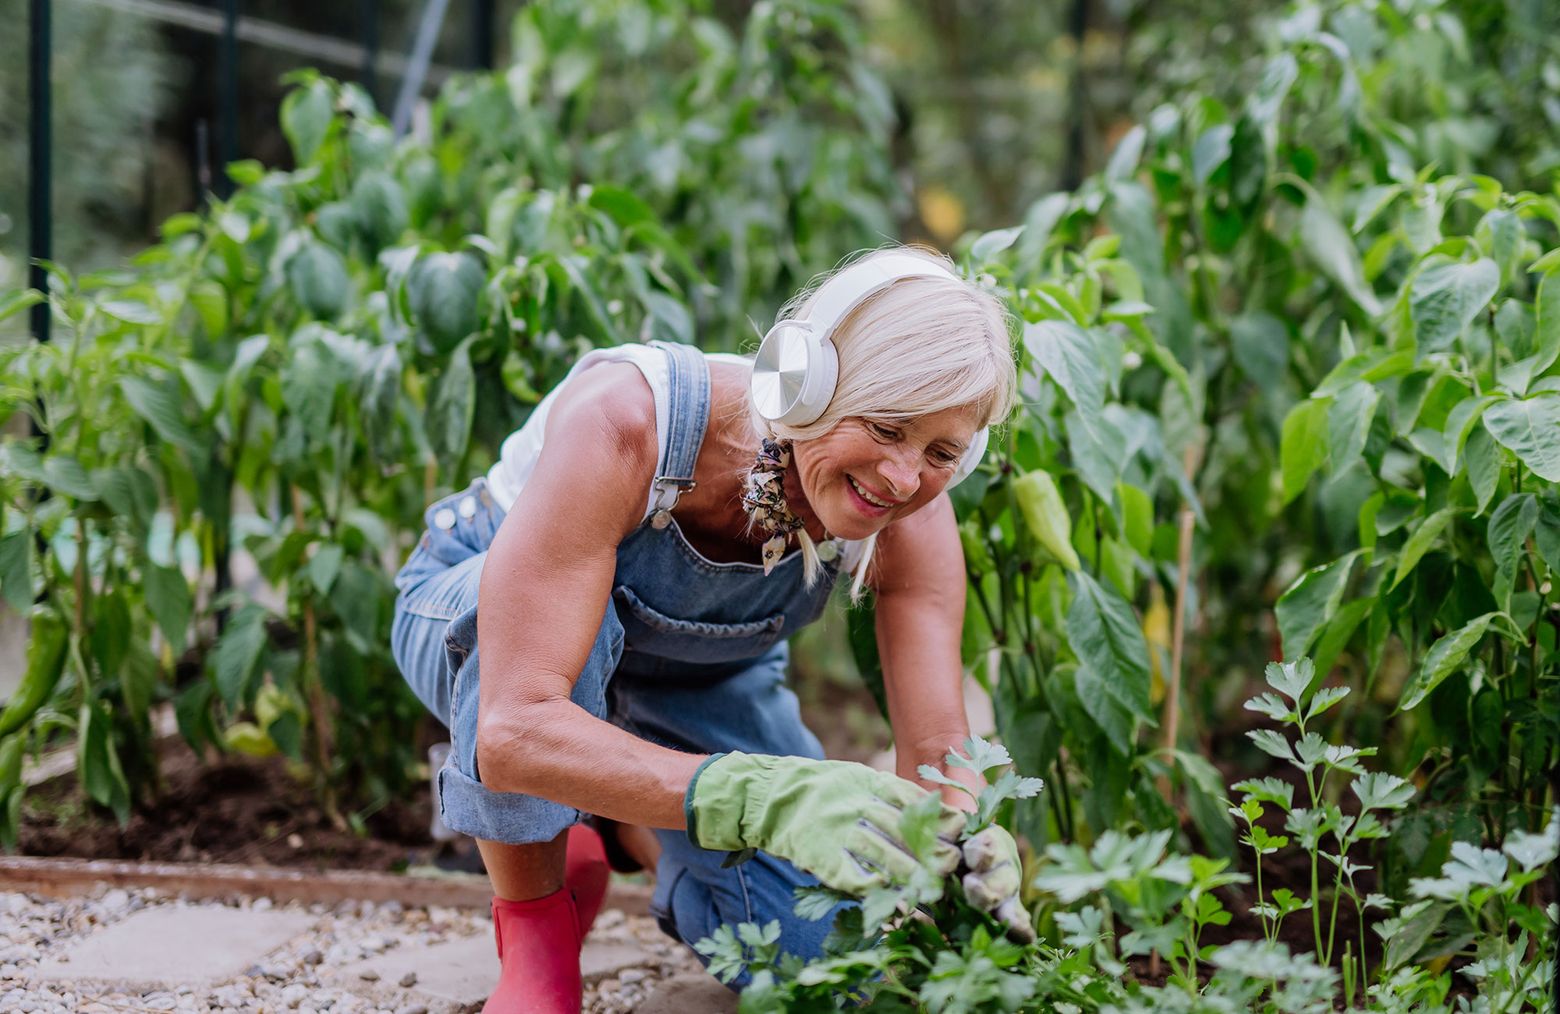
(920, 588)
(545, 587)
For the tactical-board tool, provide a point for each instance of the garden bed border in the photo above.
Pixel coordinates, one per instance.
(64, 878)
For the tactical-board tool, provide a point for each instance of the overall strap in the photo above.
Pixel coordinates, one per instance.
(688, 413)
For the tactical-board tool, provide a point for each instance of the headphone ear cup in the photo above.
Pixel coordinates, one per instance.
(972, 457)
(794, 373)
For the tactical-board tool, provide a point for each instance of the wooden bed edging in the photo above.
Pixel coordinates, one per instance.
(63, 878)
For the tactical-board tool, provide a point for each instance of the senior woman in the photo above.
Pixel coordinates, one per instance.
(626, 576)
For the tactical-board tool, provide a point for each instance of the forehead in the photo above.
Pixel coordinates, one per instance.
(957, 424)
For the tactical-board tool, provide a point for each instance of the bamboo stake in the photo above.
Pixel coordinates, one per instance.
(1187, 522)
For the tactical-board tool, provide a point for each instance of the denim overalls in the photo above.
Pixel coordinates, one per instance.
(690, 655)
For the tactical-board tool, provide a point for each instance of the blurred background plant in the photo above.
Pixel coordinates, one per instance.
(1289, 352)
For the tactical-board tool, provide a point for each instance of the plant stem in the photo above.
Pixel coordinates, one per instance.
(1262, 915)
(1187, 522)
(1359, 910)
(1061, 809)
(320, 716)
(1337, 900)
(1099, 537)
(1316, 905)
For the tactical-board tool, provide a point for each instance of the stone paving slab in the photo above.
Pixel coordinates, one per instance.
(689, 994)
(464, 971)
(460, 972)
(184, 945)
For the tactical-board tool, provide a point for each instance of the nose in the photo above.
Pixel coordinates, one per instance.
(901, 475)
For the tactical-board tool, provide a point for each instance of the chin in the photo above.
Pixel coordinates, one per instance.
(854, 529)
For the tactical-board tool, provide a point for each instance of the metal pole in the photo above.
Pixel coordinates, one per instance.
(40, 239)
(1077, 103)
(311, 47)
(482, 14)
(227, 67)
(368, 22)
(417, 64)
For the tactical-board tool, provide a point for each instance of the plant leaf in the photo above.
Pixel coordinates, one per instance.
(1420, 542)
(453, 407)
(1380, 791)
(1303, 444)
(1443, 659)
(1509, 528)
(1332, 250)
(1444, 299)
(1348, 424)
(1530, 428)
(443, 289)
(238, 651)
(1113, 672)
(169, 600)
(306, 115)
(1306, 606)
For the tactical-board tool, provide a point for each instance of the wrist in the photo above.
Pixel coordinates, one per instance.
(934, 755)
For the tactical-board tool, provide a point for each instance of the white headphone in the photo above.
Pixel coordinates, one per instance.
(796, 367)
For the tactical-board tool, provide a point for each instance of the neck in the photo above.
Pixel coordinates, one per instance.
(797, 501)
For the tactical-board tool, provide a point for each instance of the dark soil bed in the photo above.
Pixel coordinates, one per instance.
(239, 809)
(236, 809)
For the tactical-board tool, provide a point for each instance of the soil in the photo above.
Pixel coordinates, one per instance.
(236, 809)
(240, 809)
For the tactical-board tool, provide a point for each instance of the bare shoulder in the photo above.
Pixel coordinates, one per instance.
(601, 437)
(613, 397)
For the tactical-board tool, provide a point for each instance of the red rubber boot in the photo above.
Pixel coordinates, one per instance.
(539, 954)
(585, 873)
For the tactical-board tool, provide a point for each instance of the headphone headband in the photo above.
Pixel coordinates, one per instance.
(795, 370)
(845, 290)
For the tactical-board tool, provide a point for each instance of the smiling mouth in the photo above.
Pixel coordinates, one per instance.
(868, 497)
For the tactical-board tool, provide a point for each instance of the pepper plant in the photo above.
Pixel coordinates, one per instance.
(295, 372)
(1232, 311)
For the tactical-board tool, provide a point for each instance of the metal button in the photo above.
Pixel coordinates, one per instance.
(444, 518)
(660, 519)
(468, 506)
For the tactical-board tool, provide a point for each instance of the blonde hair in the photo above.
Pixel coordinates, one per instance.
(920, 345)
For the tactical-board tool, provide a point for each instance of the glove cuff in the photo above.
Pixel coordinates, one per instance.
(690, 813)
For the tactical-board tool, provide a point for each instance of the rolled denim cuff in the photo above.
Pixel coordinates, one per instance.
(512, 818)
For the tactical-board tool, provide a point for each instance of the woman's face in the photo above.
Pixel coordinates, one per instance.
(867, 472)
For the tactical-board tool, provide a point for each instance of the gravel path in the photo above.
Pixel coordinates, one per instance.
(309, 973)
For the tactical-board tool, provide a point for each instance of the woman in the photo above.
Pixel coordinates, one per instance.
(622, 572)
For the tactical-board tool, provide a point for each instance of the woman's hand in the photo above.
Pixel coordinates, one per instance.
(837, 820)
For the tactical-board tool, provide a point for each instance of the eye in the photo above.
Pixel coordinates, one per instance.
(881, 432)
(944, 457)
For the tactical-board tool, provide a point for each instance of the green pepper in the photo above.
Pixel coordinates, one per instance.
(45, 662)
(1046, 516)
(10, 764)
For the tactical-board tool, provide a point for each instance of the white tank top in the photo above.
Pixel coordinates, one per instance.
(517, 457)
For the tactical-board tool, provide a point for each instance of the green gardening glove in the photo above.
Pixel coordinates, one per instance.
(837, 820)
(993, 881)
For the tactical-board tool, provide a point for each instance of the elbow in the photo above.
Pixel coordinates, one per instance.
(504, 747)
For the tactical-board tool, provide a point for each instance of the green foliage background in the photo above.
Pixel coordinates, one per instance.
(1306, 312)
